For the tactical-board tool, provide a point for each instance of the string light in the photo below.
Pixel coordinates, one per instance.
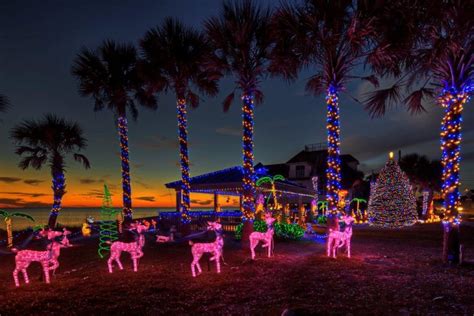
(127, 191)
(248, 177)
(184, 160)
(333, 171)
(59, 184)
(108, 226)
(452, 101)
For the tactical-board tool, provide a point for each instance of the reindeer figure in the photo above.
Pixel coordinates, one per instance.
(48, 258)
(216, 248)
(134, 248)
(266, 237)
(337, 239)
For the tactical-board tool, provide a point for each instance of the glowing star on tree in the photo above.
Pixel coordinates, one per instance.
(215, 248)
(393, 203)
(8, 221)
(266, 237)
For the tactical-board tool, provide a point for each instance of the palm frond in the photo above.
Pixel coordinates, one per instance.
(372, 79)
(228, 101)
(414, 100)
(4, 103)
(377, 102)
(83, 160)
(315, 85)
(193, 99)
(23, 215)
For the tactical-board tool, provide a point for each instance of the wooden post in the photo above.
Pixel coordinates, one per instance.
(216, 202)
(178, 200)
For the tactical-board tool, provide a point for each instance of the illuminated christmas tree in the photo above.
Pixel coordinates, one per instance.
(393, 203)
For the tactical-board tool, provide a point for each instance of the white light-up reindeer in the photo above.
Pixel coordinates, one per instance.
(266, 237)
(337, 239)
(216, 248)
(48, 258)
(134, 248)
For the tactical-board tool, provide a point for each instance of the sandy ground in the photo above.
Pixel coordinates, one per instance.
(391, 272)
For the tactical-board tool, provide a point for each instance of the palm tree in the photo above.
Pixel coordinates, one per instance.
(49, 141)
(241, 39)
(442, 65)
(175, 58)
(7, 216)
(109, 75)
(272, 181)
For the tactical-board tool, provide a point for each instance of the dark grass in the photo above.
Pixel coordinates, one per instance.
(391, 272)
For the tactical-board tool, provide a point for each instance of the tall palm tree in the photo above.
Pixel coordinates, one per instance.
(241, 39)
(441, 66)
(175, 58)
(49, 141)
(334, 38)
(8, 217)
(109, 75)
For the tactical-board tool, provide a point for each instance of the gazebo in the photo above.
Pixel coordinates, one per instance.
(229, 182)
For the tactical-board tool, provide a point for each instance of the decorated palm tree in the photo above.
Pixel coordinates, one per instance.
(49, 141)
(271, 181)
(334, 38)
(241, 39)
(176, 59)
(109, 75)
(7, 216)
(441, 66)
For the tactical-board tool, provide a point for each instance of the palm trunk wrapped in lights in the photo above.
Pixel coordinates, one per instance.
(59, 185)
(247, 145)
(184, 160)
(333, 171)
(452, 101)
(248, 175)
(126, 187)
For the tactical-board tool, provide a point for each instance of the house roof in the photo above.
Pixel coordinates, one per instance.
(229, 181)
(316, 156)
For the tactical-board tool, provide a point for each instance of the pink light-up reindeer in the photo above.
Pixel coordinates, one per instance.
(266, 237)
(133, 248)
(337, 239)
(48, 258)
(216, 248)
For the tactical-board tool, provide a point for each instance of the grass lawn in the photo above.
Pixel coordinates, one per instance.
(391, 272)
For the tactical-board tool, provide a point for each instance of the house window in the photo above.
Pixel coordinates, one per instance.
(300, 171)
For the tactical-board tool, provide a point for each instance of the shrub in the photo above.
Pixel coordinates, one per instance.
(282, 230)
(323, 220)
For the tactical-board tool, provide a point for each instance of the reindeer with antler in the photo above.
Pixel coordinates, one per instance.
(266, 237)
(134, 248)
(48, 258)
(216, 248)
(337, 239)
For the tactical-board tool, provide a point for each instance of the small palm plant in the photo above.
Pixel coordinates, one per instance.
(49, 141)
(7, 216)
(272, 181)
(358, 201)
(323, 206)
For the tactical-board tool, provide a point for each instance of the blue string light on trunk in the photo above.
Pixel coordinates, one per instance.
(248, 176)
(59, 185)
(333, 171)
(184, 160)
(126, 187)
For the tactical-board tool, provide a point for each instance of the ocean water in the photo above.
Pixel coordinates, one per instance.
(73, 217)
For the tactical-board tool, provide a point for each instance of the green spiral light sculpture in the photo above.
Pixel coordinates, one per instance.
(108, 225)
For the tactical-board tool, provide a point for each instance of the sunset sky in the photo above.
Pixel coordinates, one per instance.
(38, 42)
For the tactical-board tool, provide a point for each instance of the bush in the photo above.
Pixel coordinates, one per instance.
(282, 230)
(322, 220)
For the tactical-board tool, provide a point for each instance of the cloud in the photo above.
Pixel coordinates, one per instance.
(25, 194)
(21, 203)
(87, 181)
(95, 193)
(159, 142)
(9, 179)
(202, 202)
(137, 165)
(33, 182)
(146, 198)
(229, 131)
(143, 184)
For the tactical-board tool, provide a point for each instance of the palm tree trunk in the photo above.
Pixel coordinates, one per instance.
(59, 185)
(126, 187)
(248, 179)
(184, 160)
(453, 102)
(333, 171)
(8, 221)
